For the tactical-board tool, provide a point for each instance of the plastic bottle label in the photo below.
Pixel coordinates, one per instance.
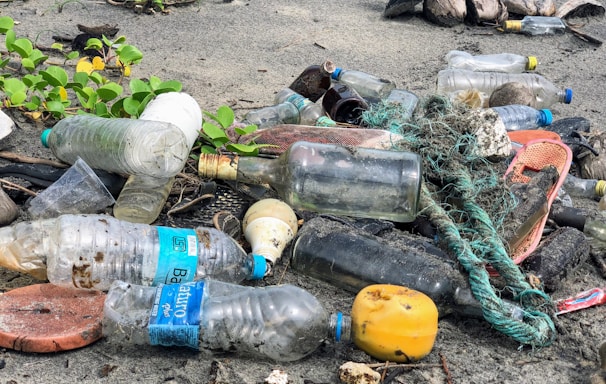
(178, 258)
(175, 316)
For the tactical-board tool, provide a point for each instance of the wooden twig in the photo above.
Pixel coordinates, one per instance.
(445, 368)
(31, 160)
(381, 366)
(18, 187)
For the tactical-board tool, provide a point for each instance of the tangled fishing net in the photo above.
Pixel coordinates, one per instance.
(466, 199)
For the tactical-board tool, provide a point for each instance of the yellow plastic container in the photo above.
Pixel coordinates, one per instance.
(394, 323)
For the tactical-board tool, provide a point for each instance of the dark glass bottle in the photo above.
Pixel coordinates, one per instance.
(343, 104)
(314, 81)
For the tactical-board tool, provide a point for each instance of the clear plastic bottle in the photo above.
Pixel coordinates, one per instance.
(579, 187)
(283, 113)
(367, 85)
(91, 251)
(281, 322)
(519, 117)
(314, 81)
(121, 145)
(406, 100)
(142, 197)
(310, 113)
(499, 62)
(536, 25)
(331, 178)
(450, 81)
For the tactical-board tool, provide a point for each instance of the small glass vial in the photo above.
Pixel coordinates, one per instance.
(283, 113)
(367, 85)
(310, 113)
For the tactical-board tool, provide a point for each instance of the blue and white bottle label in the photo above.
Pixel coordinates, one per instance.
(175, 316)
(178, 257)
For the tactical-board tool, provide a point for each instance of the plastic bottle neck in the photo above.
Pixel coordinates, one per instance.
(531, 64)
(512, 25)
(339, 327)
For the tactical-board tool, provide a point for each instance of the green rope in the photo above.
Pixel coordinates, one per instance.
(467, 229)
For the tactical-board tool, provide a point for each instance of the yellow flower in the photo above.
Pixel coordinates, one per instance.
(84, 65)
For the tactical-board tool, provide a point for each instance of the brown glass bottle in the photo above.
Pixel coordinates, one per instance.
(343, 104)
(314, 81)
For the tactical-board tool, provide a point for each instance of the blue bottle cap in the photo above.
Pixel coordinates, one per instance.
(546, 117)
(339, 326)
(257, 265)
(336, 73)
(568, 98)
(44, 137)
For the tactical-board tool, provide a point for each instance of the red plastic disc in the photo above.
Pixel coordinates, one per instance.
(48, 318)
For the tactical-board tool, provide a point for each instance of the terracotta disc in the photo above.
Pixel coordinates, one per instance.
(48, 318)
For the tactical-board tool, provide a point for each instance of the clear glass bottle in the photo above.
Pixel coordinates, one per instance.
(91, 251)
(450, 81)
(536, 25)
(314, 81)
(331, 178)
(143, 197)
(281, 322)
(499, 62)
(310, 113)
(283, 113)
(519, 117)
(579, 187)
(367, 85)
(121, 145)
(352, 259)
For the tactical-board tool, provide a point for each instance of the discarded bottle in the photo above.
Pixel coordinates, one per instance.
(310, 113)
(367, 85)
(519, 117)
(283, 113)
(536, 25)
(121, 145)
(405, 100)
(282, 322)
(91, 251)
(344, 104)
(579, 187)
(331, 178)
(314, 81)
(454, 80)
(499, 62)
(142, 197)
(352, 259)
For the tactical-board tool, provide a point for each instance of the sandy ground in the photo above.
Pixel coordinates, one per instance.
(240, 54)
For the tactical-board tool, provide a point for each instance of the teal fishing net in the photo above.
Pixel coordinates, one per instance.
(466, 198)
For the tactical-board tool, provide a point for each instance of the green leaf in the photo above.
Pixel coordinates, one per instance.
(246, 130)
(55, 107)
(129, 54)
(109, 91)
(72, 55)
(208, 150)
(213, 131)
(86, 96)
(17, 98)
(32, 105)
(56, 76)
(94, 43)
(9, 40)
(138, 85)
(13, 85)
(131, 106)
(220, 141)
(225, 116)
(243, 149)
(38, 57)
(28, 64)
(23, 47)
(80, 78)
(154, 82)
(6, 24)
(4, 62)
(169, 86)
(117, 109)
(57, 46)
(101, 110)
(119, 40)
(96, 78)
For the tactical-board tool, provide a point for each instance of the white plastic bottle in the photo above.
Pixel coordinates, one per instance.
(310, 113)
(519, 117)
(452, 80)
(142, 197)
(367, 85)
(133, 147)
(91, 251)
(281, 322)
(283, 113)
(536, 25)
(499, 62)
